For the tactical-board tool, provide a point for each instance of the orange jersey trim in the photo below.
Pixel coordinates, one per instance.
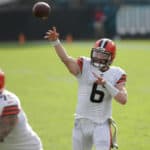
(80, 63)
(10, 110)
(122, 79)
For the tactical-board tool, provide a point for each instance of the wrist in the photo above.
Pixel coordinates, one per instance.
(111, 89)
(55, 43)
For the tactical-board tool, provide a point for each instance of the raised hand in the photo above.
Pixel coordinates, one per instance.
(52, 34)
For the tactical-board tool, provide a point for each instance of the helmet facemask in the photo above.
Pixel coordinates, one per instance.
(101, 58)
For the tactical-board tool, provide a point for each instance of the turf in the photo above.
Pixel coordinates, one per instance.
(48, 92)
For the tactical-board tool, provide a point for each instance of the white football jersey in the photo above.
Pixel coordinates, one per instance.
(94, 101)
(22, 137)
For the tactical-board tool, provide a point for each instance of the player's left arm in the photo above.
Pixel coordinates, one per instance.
(118, 92)
(122, 95)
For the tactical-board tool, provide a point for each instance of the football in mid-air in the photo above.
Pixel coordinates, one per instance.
(41, 10)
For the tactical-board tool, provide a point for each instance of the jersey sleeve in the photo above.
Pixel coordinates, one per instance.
(122, 76)
(8, 105)
(10, 110)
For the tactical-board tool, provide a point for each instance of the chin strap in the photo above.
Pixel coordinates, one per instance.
(104, 69)
(114, 136)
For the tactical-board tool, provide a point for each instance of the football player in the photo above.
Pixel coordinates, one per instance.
(99, 83)
(15, 131)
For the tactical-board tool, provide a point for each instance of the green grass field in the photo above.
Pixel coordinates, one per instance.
(48, 92)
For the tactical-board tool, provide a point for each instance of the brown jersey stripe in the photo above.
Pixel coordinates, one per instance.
(122, 79)
(80, 63)
(10, 113)
(10, 107)
(10, 110)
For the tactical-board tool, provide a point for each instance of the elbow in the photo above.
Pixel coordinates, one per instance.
(74, 72)
(123, 100)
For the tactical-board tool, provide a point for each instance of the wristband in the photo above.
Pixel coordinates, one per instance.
(111, 89)
(55, 43)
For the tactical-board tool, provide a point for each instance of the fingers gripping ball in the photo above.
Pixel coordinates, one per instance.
(41, 10)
